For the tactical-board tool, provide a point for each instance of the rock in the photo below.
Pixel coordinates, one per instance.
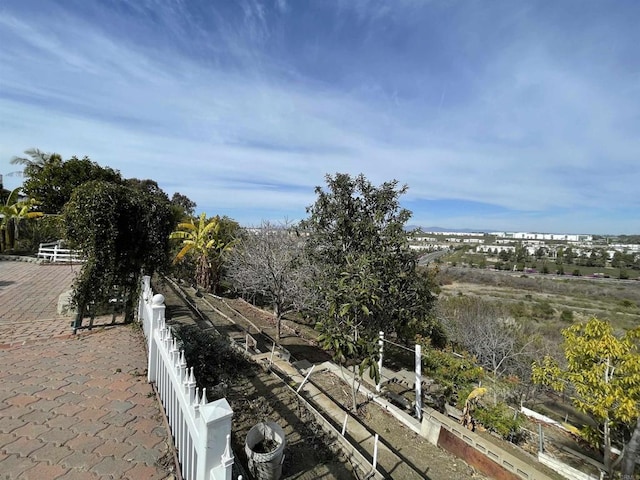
(64, 304)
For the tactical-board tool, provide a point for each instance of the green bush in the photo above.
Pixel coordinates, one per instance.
(213, 359)
(501, 419)
(544, 309)
(566, 316)
(626, 303)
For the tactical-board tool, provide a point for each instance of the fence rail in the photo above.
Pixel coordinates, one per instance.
(55, 253)
(201, 430)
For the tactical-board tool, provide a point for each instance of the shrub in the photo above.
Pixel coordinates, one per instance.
(501, 419)
(213, 359)
(626, 303)
(544, 309)
(566, 316)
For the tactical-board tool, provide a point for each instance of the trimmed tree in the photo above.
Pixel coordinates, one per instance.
(270, 262)
(123, 231)
(365, 273)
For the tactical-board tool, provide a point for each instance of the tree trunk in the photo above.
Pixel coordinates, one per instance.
(278, 324)
(631, 453)
(608, 467)
(354, 391)
(11, 233)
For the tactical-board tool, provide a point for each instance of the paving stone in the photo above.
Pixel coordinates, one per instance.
(114, 432)
(48, 394)
(57, 436)
(68, 409)
(118, 419)
(80, 460)
(146, 472)
(44, 405)
(79, 474)
(148, 440)
(84, 443)
(89, 427)
(36, 416)
(140, 454)
(113, 448)
(23, 446)
(8, 424)
(5, 439)
(115, 467)
(14, 465)
(42, 471)
(28, 389)
(119, 395)
(119, 406)
(21, 400)
(51, 453)
(56, 390)
(30, 430)
(92, 400)
(62, 421)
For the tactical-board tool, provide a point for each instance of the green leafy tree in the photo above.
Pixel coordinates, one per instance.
(602, 375)
(365, 278)
(184, 206)
(208, 241)
(52, 183)
(123, 232)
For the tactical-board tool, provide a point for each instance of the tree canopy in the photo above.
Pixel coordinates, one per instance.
(52, 181)
(123, 231)
(602, 374)
(366, 276)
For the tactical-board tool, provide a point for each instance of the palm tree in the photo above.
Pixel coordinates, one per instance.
(36, 159)
(13, 212)
(205, 241)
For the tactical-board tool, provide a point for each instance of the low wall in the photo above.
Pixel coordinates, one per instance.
(449, 442)
(475, 450)
(564, 469)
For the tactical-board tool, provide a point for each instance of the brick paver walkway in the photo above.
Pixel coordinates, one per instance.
(71, 407)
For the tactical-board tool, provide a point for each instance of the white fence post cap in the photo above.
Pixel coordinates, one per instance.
(158, 299)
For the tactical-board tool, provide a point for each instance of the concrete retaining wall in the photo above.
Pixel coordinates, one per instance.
(564, 469)
(476, 451)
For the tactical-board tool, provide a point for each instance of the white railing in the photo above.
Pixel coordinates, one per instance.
(55, 253)
(201, 430)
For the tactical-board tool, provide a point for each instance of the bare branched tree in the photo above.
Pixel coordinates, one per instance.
(486, 330)
(269, 261)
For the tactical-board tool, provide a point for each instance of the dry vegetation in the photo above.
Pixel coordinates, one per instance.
(544, 298)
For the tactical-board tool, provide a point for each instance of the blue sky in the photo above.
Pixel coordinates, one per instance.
(500, 115)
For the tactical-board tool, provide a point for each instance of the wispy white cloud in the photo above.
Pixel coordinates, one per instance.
(246, 107)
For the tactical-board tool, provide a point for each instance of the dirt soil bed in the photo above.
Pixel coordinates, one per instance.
(431, 461)
(309, 453)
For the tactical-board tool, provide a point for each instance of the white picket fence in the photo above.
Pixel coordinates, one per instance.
(201, 430)
(55, 253)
